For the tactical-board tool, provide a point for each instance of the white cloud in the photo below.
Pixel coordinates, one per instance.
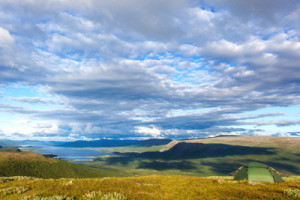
(5, 38)
(116, 68)
(27, 129)
(152, 131)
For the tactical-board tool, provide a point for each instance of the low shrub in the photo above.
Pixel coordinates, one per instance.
(49, 198)
(16, 178)
(114, 196)
(292, 192)
(91, 195)
(13, 190)
(101, 196)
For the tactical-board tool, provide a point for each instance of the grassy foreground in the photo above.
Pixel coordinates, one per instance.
(149, 187)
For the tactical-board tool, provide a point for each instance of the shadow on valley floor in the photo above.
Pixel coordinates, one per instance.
(204, 159)
(281, 166)
(185, 150)
(123, 160)
(222, 167)
(161, 165)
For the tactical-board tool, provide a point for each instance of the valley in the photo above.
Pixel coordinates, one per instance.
(219, 156)
(187, 169)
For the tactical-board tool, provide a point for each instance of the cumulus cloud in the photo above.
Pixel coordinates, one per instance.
(153, 131)
(5, 38)
(156, 68)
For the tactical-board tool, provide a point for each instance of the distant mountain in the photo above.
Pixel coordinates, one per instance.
(8, 143)
(115, 143)
(218, 136)
(36, 165)
(183, 150)
(34, 142)
(153, 142)
(99, 143)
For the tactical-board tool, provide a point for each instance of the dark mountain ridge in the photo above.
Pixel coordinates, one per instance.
(115, 143)
(184, 150)
(213, 150)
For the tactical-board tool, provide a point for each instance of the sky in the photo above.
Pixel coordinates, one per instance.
(92, 69)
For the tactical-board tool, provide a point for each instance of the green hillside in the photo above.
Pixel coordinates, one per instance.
(219, 156)
(36, 165)
(9, 149)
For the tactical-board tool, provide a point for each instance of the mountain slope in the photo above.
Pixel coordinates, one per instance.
(9, 149)
(288, 143)
(185, 150)
(36, 165)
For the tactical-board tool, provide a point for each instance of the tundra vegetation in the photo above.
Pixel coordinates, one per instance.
(164, 172)
(147, 187)
(36, 165)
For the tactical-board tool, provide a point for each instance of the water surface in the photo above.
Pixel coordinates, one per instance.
(76, 155)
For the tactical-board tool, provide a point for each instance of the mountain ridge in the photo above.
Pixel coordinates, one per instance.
(115, 143)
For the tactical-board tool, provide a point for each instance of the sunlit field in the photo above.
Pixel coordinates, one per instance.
(149, 187)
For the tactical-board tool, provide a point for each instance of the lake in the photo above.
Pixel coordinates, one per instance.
(75, 155)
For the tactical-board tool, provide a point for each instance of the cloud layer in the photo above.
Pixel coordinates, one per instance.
(148, 68)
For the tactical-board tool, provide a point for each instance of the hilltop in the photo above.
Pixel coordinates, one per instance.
(115, 143)
(37, 165)
(289, 143)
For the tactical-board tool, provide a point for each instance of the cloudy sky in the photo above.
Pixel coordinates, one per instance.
(87, 69)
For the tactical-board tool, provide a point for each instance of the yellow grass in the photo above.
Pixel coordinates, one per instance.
(149, 187)
(24, 156)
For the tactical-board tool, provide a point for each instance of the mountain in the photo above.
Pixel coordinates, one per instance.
(99, 143)
(183, 150)
(7, 143)
(153, 142)
(36, 165)
(115, 143)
